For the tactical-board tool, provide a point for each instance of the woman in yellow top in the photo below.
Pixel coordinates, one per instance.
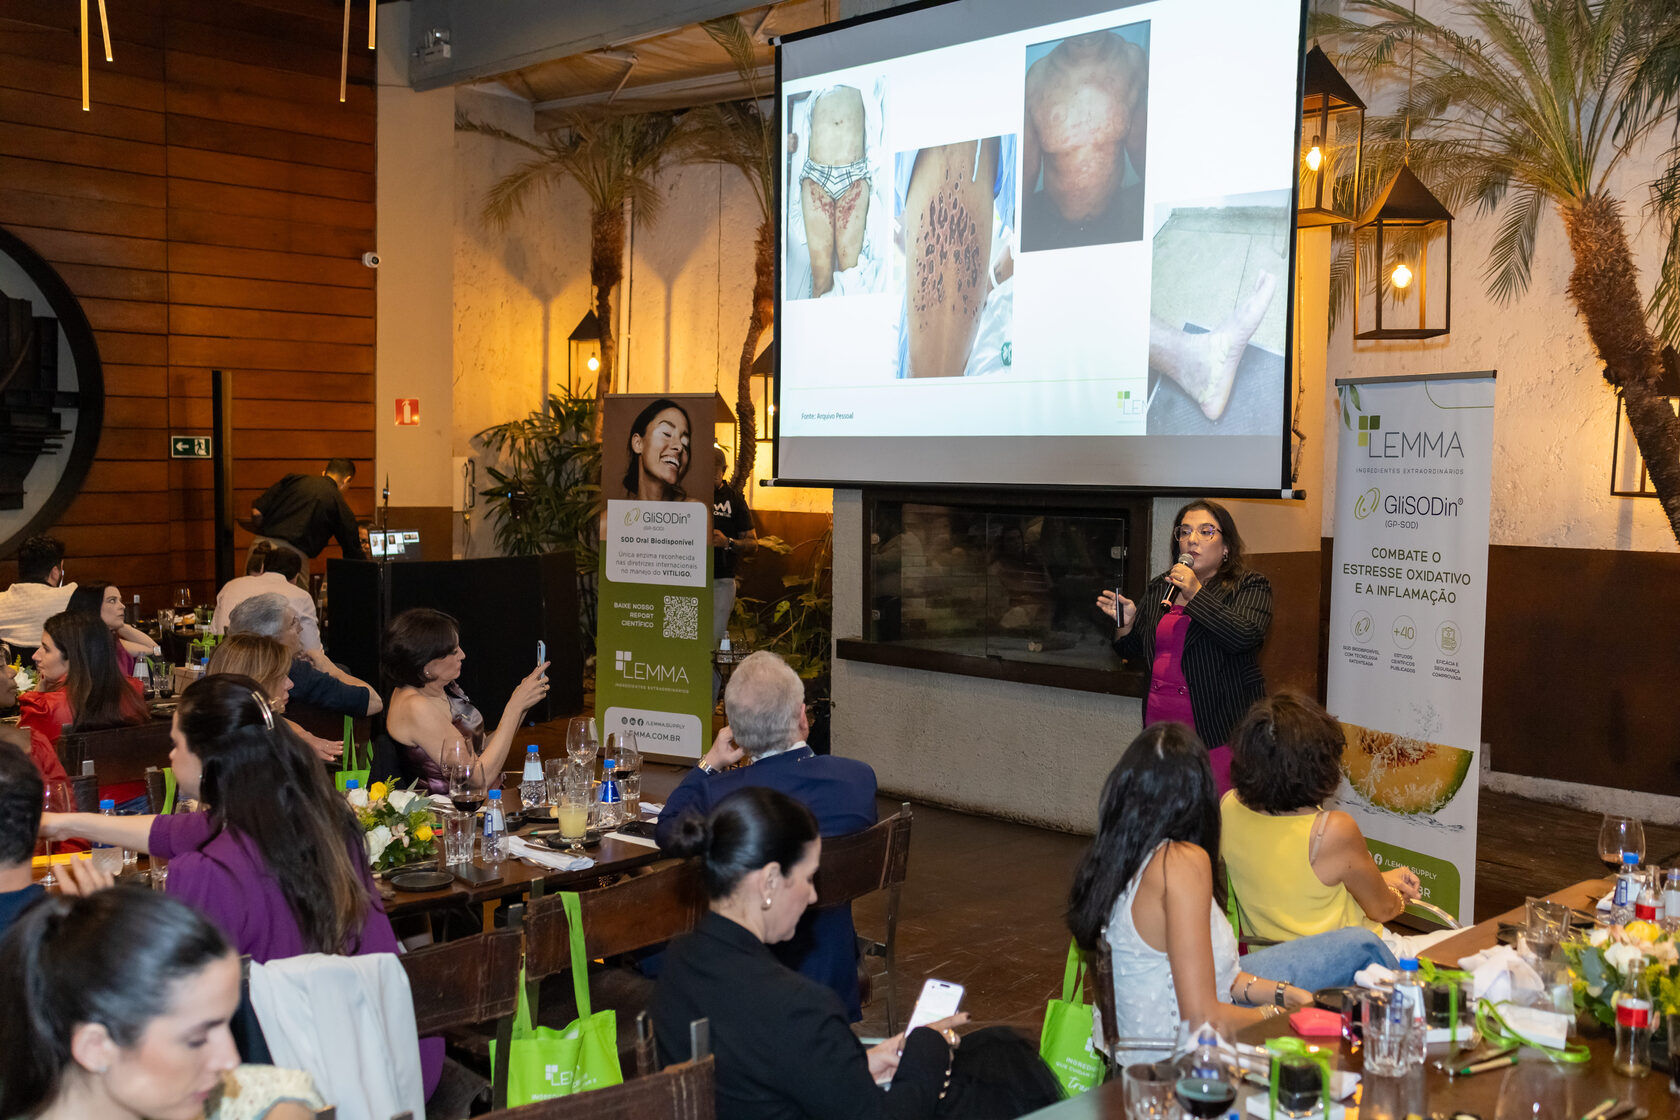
(1295, 868)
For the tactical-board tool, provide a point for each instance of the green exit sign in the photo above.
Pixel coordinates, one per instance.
(189, 447)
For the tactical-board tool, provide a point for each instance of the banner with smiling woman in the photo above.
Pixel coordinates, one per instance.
(1408, 604)
(653, 664)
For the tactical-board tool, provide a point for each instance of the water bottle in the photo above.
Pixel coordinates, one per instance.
(612, 801)
(106, 857)
(1628, 882)
(531, 780)
(1671, 901)
(1408, 990)
(1633, 1026)
(495, 829)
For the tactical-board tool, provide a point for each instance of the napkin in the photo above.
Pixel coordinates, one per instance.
(653, 808)
(523, 849)
(1499, 974)
(1375, 976)
(628, 839)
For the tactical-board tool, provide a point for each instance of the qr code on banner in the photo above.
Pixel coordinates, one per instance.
(682, 617)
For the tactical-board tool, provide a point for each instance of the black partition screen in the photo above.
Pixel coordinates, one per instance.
(505, 605)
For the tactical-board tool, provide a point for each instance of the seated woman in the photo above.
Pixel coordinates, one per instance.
(1147, 885)
(783, 1044)
(81, 683)
(278, 861)
(266, 661)
(421, 658)
(1295, 867)
(106, 601)
(120, 1003)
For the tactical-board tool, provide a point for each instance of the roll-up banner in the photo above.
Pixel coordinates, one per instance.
(1408, 609)
(653, 646)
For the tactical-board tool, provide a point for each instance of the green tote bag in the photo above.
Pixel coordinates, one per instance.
(1065, 1042)
(349, 764)
(544, 1063)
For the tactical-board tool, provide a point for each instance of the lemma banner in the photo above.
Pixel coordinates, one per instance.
(653, 668)
(1408, 610)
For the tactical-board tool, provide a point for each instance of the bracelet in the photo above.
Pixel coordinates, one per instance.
(1249, 983)
(704, 769)
(1270, 1013)
(1398, 897)
(1277, 996)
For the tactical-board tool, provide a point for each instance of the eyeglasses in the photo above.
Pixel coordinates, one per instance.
(1206, 532)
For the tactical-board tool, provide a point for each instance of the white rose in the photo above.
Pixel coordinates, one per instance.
(378, 839)
(401, 799)
(1598, 936)
(357, 797)
(1624, 958)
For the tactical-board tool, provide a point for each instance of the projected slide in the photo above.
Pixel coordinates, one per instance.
(1040, 244)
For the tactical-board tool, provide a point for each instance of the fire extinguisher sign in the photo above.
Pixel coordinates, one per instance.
(408, 411)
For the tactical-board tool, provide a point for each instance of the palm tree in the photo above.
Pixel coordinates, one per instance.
(1535, 108)
(740, 134)
(614, 160)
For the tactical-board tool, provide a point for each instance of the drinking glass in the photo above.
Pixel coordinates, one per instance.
(1548, 925)
(571, 812)
(456, 759)
(457, 837)
(554, 778)
(1534, 1091)
(56, 798)
(1207, 1078)
(1300, 1084)
(183, 599)
(158, 874)
(581, 742)
(1148, 1091)
(630, 791)
(1390, 1034)
(1620, 834)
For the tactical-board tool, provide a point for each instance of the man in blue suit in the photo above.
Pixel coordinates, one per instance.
(765, 703)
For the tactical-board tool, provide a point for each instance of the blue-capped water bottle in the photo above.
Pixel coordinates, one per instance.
(108, 857)
(611, 811)
(1628, 882)
(531, 779)
(495, 829)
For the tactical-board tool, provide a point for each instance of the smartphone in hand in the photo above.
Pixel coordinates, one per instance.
(542, 652)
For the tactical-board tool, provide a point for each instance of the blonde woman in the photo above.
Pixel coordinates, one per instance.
(267, 661)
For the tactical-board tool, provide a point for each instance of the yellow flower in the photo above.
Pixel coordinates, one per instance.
(423, 833)
(377, 790)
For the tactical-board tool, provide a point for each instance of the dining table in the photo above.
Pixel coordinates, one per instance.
(1428, 1091)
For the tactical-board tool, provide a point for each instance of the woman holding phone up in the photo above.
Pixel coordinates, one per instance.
(1199, 627)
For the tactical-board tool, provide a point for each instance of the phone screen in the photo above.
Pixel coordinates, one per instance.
(939, 1000)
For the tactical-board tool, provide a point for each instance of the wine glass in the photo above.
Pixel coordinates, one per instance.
(1534, 1091)
(56, 798)
(1620, 834)
(581, 742)
(456, 759)
(1207, 1077)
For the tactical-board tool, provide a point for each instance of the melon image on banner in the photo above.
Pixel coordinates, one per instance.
(1400, 773)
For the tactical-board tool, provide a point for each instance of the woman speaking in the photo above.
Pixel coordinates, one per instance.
(1202, 648)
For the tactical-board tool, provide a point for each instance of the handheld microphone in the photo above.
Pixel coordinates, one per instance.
(1174, 589)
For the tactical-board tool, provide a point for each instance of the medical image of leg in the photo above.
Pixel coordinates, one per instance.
(819, 234)
(834, 218)
(1205, 365)
(948, 214)
(851, 215)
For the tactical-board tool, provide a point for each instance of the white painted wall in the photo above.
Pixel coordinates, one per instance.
(412, 334)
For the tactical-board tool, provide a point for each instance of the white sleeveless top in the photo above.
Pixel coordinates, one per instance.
(1145, 1001)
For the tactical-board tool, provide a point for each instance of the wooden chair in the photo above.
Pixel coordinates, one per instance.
(84, 792)
(119, 754)
(462, 983)
(878, 858)
(680, 1092)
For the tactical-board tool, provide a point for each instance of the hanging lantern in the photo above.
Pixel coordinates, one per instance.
(1332, 141)
(1402, 271)
(583, 354)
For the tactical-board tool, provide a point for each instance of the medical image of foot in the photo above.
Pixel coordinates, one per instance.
(1084, 139)
(1216, 324)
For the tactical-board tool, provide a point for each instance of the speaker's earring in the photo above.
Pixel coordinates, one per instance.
(767, 902)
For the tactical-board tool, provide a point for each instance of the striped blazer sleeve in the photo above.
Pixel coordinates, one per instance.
(1238, 622)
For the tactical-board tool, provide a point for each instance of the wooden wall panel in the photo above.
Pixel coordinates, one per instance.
(209, 212)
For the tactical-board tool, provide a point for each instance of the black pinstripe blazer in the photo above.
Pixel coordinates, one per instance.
(1228, 623)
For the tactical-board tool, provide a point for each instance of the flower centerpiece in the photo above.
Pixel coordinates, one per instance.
(397, 824)
(1602, 959)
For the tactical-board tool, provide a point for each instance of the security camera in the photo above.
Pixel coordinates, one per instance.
(371, 259)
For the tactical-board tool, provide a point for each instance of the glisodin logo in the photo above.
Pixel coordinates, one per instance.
(1367, 503)
(632, 515)
(635, 516)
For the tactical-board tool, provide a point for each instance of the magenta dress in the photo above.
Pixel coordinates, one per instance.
(1169, 693)
(225, 879)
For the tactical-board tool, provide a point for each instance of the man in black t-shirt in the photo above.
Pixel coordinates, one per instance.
(733, 537)
(302, 512)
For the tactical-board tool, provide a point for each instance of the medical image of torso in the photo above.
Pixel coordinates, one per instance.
(1084, 140)
(834, 186)
(948, 217)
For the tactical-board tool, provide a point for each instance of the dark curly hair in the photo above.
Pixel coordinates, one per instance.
(1286, 754)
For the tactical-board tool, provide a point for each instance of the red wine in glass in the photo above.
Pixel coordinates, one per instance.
(1205, 1097)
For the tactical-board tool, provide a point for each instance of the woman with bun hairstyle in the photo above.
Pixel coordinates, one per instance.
(783, 1044)
(119, 1005)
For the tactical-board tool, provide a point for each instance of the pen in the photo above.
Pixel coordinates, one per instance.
(1598, 1110)
(1483, 1067)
